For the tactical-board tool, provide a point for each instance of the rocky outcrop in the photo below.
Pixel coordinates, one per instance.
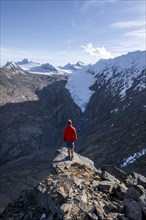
(77, 190)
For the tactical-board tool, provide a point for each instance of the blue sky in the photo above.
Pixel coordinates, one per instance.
(61, 31)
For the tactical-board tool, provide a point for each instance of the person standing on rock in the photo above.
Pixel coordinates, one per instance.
(69, 136)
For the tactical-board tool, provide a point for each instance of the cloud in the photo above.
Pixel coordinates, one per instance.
(137, 33)
(99, 52)
(56, 58)
(127, 24)
(92, 3)
(88, 4)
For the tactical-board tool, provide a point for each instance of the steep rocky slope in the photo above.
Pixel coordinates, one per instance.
(77, 190)
(114, 123)
(34, 111)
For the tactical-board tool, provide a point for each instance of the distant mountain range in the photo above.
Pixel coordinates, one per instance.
(45, 68)
(127, 66)
(106, 102)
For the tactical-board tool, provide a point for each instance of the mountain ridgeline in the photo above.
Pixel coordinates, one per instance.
(35, 108)
(109, 113)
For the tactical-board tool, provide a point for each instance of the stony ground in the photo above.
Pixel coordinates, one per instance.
(77, 190)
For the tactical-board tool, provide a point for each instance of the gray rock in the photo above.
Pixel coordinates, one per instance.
(141, 180)
(142, 203)
(106, 176)
(76, 192)
(95, 183)
(132, 194)
(114, 171)
(122, 217)
(106, 186)
(111, 208)
(61, 160)
(140, 189)
(132, 209)
(130, 181)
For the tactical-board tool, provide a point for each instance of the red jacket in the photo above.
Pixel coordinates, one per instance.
(69, 133)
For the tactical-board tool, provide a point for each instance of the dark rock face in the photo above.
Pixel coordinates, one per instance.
(113, 128)
(110, 130)
(34, 112)
(77, 190)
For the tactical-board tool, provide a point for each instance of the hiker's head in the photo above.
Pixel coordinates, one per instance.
(69, 122)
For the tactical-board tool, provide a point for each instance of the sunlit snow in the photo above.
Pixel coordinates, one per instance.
(43, 216)
(37, 68)
(78, 84)
(133, 158)
(118, 74)
(127, 68)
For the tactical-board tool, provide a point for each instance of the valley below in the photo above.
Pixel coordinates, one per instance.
(35, 108)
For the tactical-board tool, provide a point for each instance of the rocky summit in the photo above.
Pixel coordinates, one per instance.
(75, 189)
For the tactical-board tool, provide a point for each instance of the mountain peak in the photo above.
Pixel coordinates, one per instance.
(80, 64)
(69, 66)
(49, 67)
(12, 66)
(24, 61)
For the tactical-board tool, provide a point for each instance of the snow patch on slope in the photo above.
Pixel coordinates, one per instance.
(37, 68)
(120, 72)
(116, 74)
(10, 65)
(133, 158)
(78, 84)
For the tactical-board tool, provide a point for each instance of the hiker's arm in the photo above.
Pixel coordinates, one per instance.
(64, 135)
(75, 134)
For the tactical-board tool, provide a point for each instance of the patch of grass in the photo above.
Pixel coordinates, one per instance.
(82, 166)
(96, 177)
(87, 175)
(76, 164)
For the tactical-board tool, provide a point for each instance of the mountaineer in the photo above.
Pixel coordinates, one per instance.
(69, 136)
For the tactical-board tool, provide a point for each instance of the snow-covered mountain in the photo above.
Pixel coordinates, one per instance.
(80, 64)
(118, 74)
(23, 62)
(74, 67)
(34, 67)
(11, 65)
(69, 66)
(121, 72)
(13, 68)
(106, 102)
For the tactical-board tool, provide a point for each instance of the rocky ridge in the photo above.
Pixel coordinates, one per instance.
(77, 190)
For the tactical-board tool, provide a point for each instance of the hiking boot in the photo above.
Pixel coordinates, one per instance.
(68, 158)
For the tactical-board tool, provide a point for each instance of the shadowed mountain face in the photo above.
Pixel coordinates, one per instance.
(34, 111)
(115, 129)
